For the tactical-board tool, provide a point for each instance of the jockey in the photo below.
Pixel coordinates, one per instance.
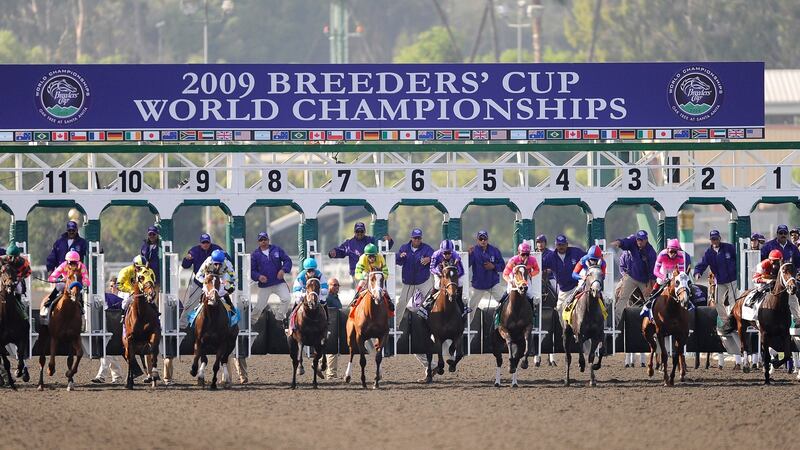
(369, 262)
(766, 273)
(72, 259)
(217, 264)
(667, 261)
(445, 256)
(522, 258)
(129, 275)
(592, 258)
(299, 288)
(13, 258)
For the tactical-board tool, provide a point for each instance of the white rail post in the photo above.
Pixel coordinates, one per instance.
(242, 300)
(391, 289)
(536, 286)
(169, 302)
(468, 331)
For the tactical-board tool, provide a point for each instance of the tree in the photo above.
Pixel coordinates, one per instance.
(430, 46)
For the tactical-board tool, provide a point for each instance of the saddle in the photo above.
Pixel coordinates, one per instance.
(357, 300)
(753, 302)
(233, 314)
(567, 314)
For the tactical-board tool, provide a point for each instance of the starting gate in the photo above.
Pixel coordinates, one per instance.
(243, 301)
(169, 302)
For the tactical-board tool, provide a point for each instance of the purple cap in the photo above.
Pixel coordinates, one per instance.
(783, 228)
(263, 235)
(152, 229)
(541, 238)
(359, 226)
(714, 234)
(205, 238)
(757, 237)
(795, 230)
(416, 232)
(71, 225)
(482, 234)
(561, 239)
(641, 235)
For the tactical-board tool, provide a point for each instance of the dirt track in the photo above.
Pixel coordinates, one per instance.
(713, 409)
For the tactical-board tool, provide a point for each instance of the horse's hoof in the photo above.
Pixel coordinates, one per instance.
(537, 364)
(428, 379)
(496, 384)
(627, 365)
(213, 387)
(70, 386)
(592, 383)
(376, 386)
(514, 385)
(201, 382)
(650, 372)
(293, 387)
(596, 366)
(26, 376)
(193, 372)
(129, 386)
(566, 383)
(153, 384)
(524, 364)
(451, 366)
(347, 379)
(315, 386)
(440, 370)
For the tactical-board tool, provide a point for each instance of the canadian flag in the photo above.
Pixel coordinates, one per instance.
(316, 135)
(573, 134)
(60, 136)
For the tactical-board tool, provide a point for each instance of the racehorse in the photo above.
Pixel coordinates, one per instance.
(64, 327)
(311, 328)
(142, 330)
(446, 324)
(670, 318)
(516, 323)
(587, 319)
(14, 327)
(370, 320)
(774, 320)
(213, 334)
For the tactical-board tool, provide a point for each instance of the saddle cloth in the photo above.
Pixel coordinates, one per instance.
(357, 300)
(567, 314)
(750, 312)
(233, 314)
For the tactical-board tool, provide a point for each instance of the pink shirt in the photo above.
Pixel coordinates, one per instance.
(665, 265)
(61, 271)
(516, 260)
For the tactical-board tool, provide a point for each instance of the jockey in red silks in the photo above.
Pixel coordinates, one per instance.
(766, 272)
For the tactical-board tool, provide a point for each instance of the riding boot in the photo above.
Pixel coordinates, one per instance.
(50, 299)
(426, 306)
(499, 308)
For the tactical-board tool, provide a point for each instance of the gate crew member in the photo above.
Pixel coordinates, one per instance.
(415, 259)
(560, 263)
(70, 240)
(487, 263)
(354, 247)
(151, 248)
(721, 259)
(637, 270)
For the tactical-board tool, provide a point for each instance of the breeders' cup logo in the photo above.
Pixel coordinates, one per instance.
(62, 96)
(695, 93)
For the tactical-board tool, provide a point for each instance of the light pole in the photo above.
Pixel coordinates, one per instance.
(531, 11)
(190, 8)
(535, 12)
(502, 11)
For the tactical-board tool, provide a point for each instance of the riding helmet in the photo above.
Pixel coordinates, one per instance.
(309, 263)
(218, 256)
(371, 249)
(446, 246)
(72, 255)
(13, 250)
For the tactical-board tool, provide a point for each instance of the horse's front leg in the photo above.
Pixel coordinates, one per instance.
(317, 353)
(662, 343)
(51, 365)
(767, 358)
(682, 355)
(129, 379)
(378, 360)
(7, 367)
(592, 366)
(676, 358)
(568, 337)
(362, 350)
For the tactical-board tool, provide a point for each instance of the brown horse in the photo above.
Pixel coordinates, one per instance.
(142, 329)
(774, 320)
(311, 328)
(213, 334)
(446, 324)
(516, 323)
(586, 324)
(370, 320)
(14, 327)
(64, 327)
(670, 318)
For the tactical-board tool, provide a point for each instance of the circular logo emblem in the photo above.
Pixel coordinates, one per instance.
(62, 96)
(695, 93)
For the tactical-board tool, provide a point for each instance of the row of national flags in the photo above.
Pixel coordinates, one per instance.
(383, 135)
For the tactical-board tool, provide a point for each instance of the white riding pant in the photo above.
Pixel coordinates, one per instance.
(627, 286)
(495, 294)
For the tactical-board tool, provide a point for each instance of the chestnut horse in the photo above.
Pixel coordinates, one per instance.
(670, 318)
(64, 327)
(774, 320)
(516, 323)
(142, 329)
(311, 328)
(213, 334)
(446, 324)
(586, 324)
(370, 320)
(14, 327)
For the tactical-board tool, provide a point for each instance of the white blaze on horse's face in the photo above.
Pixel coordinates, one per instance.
(521, 278)
(788, 281)
(376, 286)
(595, 278)
(682, 287)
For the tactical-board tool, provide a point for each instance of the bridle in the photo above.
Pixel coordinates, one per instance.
(450, 273)
(312, 294)
(680, 293)
(376, 286)
(519, 282)
(788, 281)
(595, 278)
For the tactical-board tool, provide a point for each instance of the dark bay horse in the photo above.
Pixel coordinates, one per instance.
(586, 324)
(142, 329)
(64, 327)
(446, 324)
(670, 318)
(311, 328)
(14, 327)
(774, 320)
(516, 323)
(213, 334)
(370, 320)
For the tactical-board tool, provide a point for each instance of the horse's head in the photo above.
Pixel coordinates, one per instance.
(147, 287)
(681, 287)
(788, 277)
(594, 280)
(210, 286)
(376, 285)
(312, 293)
(519, 279)
(450, 280)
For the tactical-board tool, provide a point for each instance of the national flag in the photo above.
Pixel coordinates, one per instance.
(609, 134)
(627, 134)
(498, 135)
(190, 135)
(372, 135)
(133, 135)
(754, 133)
(78, 136)
(389, 135)
(316, 135)
(171, 135)
(242, 135)
(282, 135)
(205, 135)
(555, 134)
(700, 133)
(572, 134)
(21, 136)
(518, 135)
(59, 136)
(591, 134)
(463, 135)
(224, 135)
(352, 135)
(444, 135)
(408, 135)
(735, 133)
(536, 135)
(7, 136)
(426, 135)
(151, 135)
(720, 133)
(480, 135)
(644, 134)
(299, 135)
(115, 136)
(681, 133)
(336, 135)
(663, 134)
(41, 136)
(263, 135)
